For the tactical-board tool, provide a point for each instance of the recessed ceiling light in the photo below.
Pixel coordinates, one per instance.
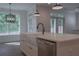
(57, 7)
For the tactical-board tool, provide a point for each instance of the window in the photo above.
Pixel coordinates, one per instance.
(31, 21)
(9, 27)
(57, 23)
(53, 26)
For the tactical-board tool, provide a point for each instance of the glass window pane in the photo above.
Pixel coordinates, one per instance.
(57, 22)
(9, 27)
(14, 27)
(3, 27)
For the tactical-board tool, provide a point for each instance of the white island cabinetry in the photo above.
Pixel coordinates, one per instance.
(37, 44)
(58, 45)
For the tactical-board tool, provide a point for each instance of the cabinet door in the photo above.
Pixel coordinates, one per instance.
(46, 48)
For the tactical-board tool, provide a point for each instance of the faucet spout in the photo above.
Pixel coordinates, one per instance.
(43, 29)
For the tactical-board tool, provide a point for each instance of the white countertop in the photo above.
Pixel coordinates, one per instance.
(55, 37)
(59, 37)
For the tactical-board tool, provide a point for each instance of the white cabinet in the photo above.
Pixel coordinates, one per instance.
(32, 45)
(28, 45)
(28, 49)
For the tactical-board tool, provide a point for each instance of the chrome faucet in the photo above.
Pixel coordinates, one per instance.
(43, 29)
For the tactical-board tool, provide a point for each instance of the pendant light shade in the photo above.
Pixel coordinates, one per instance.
(10, 18)
(57, 7)
(36, 13)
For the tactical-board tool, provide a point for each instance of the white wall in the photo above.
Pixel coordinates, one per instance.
(70, 21)
(77, 20)
(23, 22)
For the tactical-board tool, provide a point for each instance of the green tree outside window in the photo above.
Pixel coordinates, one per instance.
(9, 27)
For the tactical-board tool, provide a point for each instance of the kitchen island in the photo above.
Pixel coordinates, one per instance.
(51, 44)
(62, 44)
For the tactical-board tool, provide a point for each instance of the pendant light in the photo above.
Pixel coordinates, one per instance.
(10, 18)
(57, 7)
(37, 13)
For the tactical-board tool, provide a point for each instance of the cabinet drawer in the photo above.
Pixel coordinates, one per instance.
(31, 50)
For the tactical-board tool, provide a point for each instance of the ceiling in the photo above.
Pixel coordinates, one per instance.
(67, 6)
(70, 6)
(27, 6)
(17, 6)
